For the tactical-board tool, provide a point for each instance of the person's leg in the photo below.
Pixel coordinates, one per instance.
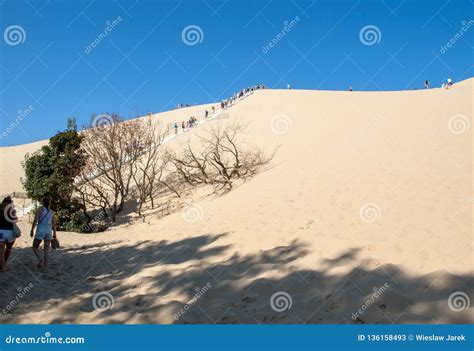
(2, 256)
(47, 249)
(36, 250)
(8, 250)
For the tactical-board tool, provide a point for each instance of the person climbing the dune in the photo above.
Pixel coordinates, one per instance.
(8, 231)
(45, 223)
(176, 128)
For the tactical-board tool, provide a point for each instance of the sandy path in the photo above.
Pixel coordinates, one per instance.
(367, 191)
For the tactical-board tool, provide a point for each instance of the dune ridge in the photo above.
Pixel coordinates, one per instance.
(366, 189)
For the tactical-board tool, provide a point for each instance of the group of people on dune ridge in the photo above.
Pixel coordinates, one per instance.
(192, 121)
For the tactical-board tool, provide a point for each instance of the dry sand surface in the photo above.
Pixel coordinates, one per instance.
(368, 190)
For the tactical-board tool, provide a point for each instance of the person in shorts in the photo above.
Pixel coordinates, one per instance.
(7, 237)
(45, 223)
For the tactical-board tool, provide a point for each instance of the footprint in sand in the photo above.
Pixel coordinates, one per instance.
(249, 299)
(334, 306)
(87, 307)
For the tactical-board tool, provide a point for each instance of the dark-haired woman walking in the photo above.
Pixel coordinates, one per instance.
(7, 232)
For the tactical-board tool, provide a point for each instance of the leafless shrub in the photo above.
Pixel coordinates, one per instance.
(126, 160)
(121, 156)
(219, 159)
(150, 174)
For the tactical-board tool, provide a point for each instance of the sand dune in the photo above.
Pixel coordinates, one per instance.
(368, 190)
(11, 157)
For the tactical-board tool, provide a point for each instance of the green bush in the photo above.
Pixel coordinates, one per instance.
(51, 172)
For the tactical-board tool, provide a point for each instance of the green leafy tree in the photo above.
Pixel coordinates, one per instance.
(51, 172)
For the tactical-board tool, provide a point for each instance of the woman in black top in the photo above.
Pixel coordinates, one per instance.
(7, 239)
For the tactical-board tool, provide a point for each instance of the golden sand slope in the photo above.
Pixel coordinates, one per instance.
(368, 190)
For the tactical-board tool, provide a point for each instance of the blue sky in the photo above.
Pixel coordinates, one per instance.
(143, 64)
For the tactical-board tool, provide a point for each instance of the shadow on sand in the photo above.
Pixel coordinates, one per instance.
(155, 282)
